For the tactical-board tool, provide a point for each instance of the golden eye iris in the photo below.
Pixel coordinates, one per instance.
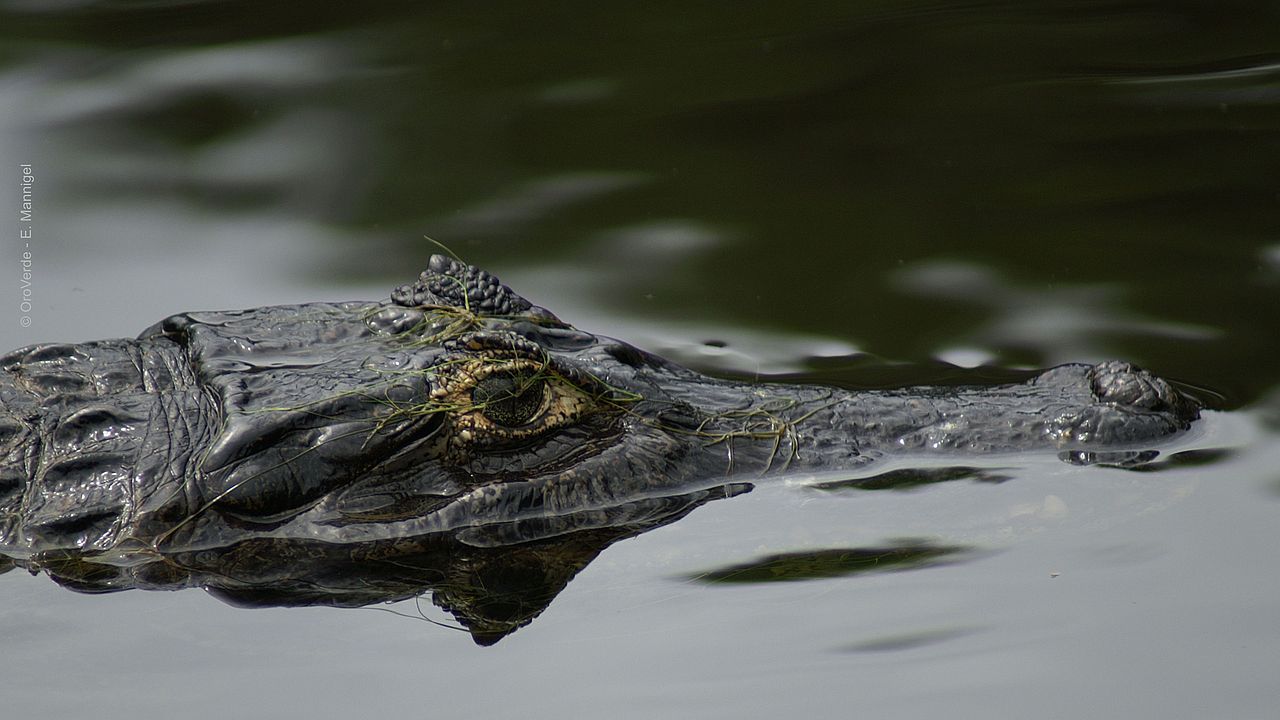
(509, 399)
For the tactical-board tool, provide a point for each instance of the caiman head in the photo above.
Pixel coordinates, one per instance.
(457, 405)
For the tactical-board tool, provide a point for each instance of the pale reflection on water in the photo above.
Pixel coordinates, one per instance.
(1064, 322)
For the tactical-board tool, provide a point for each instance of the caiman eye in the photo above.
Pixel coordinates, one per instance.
(509, 399)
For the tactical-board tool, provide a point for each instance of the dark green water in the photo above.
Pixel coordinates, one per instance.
(849, 192)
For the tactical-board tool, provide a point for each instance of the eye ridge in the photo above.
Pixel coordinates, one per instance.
(509, 399)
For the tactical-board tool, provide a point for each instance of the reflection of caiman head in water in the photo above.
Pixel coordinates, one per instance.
(497, 578)
(492, 578)
(455, 436)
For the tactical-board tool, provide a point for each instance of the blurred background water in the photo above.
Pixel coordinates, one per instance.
(855, 192)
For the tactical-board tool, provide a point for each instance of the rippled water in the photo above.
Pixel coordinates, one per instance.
(845, 192)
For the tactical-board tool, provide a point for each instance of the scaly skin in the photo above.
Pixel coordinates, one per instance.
(456, 404)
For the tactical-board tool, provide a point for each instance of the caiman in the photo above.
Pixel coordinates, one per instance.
(454, 408)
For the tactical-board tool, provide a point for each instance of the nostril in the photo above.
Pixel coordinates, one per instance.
(1124, 384)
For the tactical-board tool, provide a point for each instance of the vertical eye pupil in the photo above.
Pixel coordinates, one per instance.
(508, 399)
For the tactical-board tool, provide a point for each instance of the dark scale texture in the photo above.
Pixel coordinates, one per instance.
(449, 282)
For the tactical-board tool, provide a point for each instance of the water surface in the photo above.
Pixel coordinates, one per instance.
(860, 193)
